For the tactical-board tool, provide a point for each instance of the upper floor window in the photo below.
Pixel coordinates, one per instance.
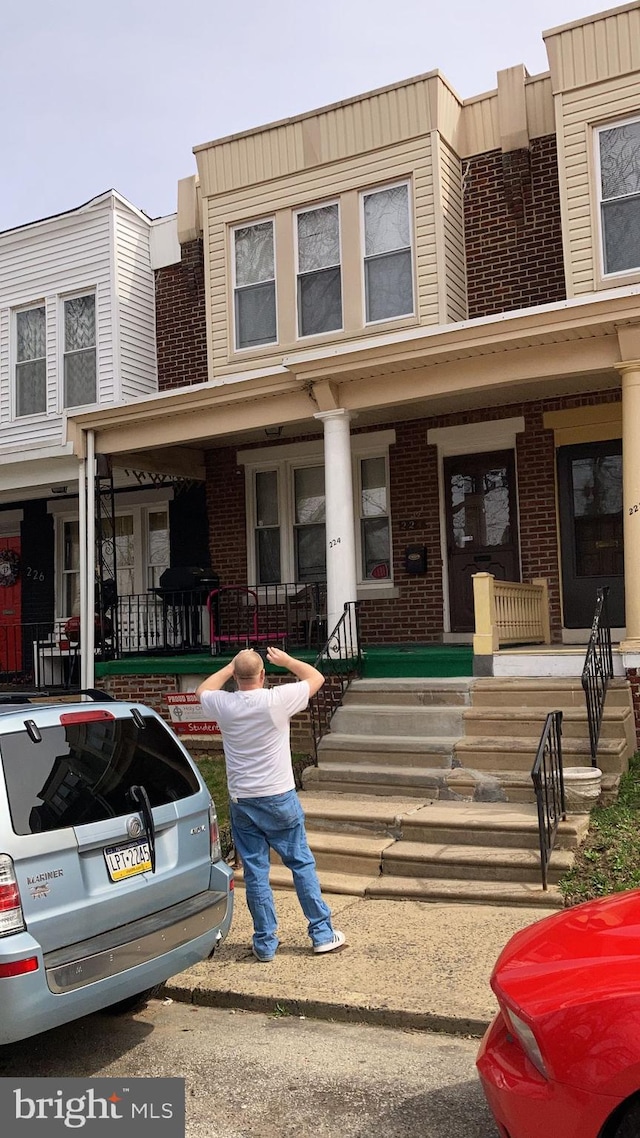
(254, 285)
(388, 273)
(619, 154)
(31, 364)
(79, 351)
(319, 277)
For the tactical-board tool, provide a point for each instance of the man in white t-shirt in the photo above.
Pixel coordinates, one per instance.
(265, 809)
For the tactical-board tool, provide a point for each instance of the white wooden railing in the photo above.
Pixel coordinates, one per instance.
(509, 612)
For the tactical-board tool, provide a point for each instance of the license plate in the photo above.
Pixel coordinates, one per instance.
(127, 861)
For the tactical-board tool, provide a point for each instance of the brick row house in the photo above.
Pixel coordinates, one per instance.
(401, 350)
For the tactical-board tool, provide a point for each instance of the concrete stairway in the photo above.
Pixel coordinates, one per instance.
(432, 851)
(392, 737)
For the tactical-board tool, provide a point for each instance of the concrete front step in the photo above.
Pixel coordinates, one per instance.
(617, 722)
(372, 778)
(503, 752)
(477, 863)
(392, 719)
(394, 750)
(410, 692)
(420, 889)
(345, 853)
(510, 786)
(547, 693)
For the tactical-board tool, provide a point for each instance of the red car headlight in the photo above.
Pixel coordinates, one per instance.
(526, 1038)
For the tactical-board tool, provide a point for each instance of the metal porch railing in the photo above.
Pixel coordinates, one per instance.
(597, 670)
(548, 782)
(340, 660)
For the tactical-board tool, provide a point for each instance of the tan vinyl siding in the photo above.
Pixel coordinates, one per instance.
(374, 121)
(595, 50)
(540, 109)
(480, 126)
(410, 161)
(453, 224)
(580, 111)
(135, 298)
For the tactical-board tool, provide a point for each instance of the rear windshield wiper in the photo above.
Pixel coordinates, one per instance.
(140, 798)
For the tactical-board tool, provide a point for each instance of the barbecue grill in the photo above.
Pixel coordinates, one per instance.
(184, 590)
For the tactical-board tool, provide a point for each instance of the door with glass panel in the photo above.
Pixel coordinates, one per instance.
(482, 529)
(590, 502)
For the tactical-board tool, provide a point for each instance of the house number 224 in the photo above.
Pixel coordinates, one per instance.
(334, 541)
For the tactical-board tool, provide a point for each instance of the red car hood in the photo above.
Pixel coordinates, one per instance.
(575, 977)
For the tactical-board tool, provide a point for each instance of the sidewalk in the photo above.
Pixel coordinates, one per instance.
(407, 964)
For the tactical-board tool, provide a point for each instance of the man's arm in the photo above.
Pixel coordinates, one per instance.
(301, 671)
(216, 681)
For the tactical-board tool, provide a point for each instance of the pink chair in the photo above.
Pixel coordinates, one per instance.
(234, 620)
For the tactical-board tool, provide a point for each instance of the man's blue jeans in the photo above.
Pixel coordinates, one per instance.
(277, 821)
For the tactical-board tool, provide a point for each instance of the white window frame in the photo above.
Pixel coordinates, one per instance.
(14, 360)
(366, 192)
(140, 513)
(287, 458)
(296, 214)
(77, 294)
(620, 273)
(232, 255)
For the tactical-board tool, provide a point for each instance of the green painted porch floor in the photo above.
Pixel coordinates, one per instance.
(381, 661)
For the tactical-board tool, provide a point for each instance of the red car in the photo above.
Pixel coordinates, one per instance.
(562, 1057)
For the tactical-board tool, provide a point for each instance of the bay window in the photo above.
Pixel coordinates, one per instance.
(254, 285)
(388, 271)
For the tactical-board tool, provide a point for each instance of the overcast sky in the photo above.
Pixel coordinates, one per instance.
(116, 94)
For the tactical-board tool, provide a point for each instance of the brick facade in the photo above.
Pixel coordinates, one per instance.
(513, 235)
(180, 320)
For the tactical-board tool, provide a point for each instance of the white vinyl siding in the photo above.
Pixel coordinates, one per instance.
(71, 255)
(135, 300)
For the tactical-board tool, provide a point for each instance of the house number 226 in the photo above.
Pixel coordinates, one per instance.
(334, 541)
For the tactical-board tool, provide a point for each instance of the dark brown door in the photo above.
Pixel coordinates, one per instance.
(590, 502)
(482, 528)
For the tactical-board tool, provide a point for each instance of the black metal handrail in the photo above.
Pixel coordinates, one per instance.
(340, 660)
(548, 782)
(597, 670)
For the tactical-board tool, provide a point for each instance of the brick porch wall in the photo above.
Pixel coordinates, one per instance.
(417, 614)
(513, 236)
(180, 320)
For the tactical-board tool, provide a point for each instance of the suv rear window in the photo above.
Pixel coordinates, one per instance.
(82, 772)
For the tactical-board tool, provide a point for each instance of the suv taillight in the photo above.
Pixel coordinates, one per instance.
(11, 918)
(214, 834)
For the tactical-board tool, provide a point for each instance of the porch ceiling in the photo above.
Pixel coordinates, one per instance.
(531, 354)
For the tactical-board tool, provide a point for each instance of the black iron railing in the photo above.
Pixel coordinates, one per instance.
(548, 782)
(597, 670)
(340, 660)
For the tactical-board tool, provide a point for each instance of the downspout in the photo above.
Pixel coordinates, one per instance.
(82, 538)
(88, 636)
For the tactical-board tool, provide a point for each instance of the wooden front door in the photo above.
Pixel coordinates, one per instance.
(10, 606)
(482, 527)
(591, 538)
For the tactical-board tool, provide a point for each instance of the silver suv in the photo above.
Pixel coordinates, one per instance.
(111, 873)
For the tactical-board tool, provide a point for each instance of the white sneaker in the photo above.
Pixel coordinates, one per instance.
(336, 941)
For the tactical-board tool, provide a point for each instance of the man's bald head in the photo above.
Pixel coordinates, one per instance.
(247, 666)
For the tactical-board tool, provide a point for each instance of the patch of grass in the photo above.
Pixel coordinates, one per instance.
(609, 859)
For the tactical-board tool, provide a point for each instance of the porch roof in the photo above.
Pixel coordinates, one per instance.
(554, 349)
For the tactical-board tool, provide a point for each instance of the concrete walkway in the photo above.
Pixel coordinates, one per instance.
(406, 964)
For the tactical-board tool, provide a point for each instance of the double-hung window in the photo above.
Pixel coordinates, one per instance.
(388, 271)
(254, 285)
(619, 177)
(79, 350)
(309, 523)
(375, 544)
(31, 364)
(319, 275)
(267, 527)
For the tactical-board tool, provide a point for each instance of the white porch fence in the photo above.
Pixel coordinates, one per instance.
(509, 612)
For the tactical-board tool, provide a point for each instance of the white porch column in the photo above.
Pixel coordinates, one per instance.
(338, 483)
(630, 371)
